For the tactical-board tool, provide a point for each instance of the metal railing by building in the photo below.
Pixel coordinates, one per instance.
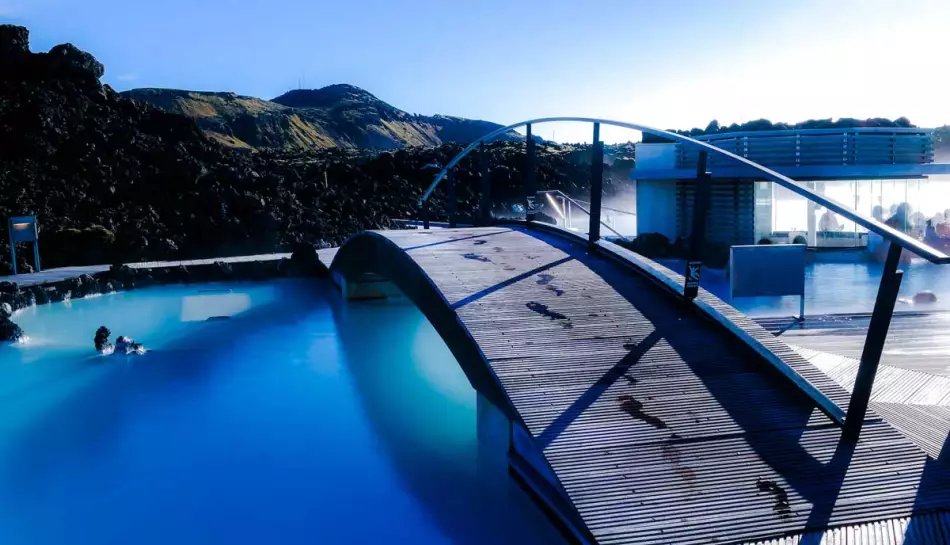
(814, 147)
(568, 204)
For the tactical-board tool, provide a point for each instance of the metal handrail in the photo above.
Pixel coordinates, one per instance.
(868, 223)
(629, 213)
(822, 131)
(584, 210)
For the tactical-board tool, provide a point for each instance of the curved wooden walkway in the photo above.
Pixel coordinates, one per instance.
(659, 425)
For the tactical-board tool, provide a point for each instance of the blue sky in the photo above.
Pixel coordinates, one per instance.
(667, 63)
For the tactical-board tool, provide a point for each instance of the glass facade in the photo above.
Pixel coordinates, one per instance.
(782, 215)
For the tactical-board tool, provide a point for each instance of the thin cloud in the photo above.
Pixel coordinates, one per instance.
(9, 10)
(127, 77)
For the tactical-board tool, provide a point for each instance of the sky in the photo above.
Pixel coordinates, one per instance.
(663, 63)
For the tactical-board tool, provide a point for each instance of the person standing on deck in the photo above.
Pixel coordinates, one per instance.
(943, 227)
(829, 221)
(901, 218)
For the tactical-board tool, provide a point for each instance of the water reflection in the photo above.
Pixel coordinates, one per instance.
(423, 410)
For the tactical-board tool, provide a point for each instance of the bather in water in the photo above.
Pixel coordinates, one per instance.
(123, 345)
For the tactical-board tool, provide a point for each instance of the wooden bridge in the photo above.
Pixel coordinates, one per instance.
(637, 417)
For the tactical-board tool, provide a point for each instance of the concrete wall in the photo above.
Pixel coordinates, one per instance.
(656, 156)
(656, 199)
(656, 207)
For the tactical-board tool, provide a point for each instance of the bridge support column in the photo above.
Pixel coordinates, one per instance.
(494, 438)
(596, 186)
(485, 205)
(697, 238)
(366, 287)
(874, 344)
(530, 184)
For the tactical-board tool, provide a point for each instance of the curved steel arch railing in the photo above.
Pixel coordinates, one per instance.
(886, 232)
(890, 278)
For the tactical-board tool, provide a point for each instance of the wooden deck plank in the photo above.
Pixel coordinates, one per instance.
(916, 340)
(661, 428)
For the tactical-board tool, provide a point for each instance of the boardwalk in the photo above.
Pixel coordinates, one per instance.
(917, 340)
(914, 402)
(660, 426)
(63, 273)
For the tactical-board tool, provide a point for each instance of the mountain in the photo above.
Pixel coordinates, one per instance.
(336, 116)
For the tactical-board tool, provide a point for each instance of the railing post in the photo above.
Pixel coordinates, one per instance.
(697, 237)
(596, 186)
(424, 211)
(486, 202)
(874, 343)
(450, 195)
(530, 186)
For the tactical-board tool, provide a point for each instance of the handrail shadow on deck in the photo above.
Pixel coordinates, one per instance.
(501, 285)
(439, 243)
(817, 482)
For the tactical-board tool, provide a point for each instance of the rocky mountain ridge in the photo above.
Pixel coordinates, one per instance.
(336, 116)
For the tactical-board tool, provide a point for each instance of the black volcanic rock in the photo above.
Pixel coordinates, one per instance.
(69, 57)
(305, 261)
(14, 42)
(9, 331)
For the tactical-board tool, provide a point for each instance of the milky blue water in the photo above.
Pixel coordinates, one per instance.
(299, 420)
(837, 288)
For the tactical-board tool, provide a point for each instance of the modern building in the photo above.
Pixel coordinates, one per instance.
(871, 170)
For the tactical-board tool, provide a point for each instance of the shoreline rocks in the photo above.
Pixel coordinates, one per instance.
(304, 261)
(122, 278)
(9, 331)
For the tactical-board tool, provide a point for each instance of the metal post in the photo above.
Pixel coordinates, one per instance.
(530, 186)
(811, 236)
(36, 256)
(425, 213)
(697, 238)
(874, 343)
(486, 202)
(596, 186)
(450, 195)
